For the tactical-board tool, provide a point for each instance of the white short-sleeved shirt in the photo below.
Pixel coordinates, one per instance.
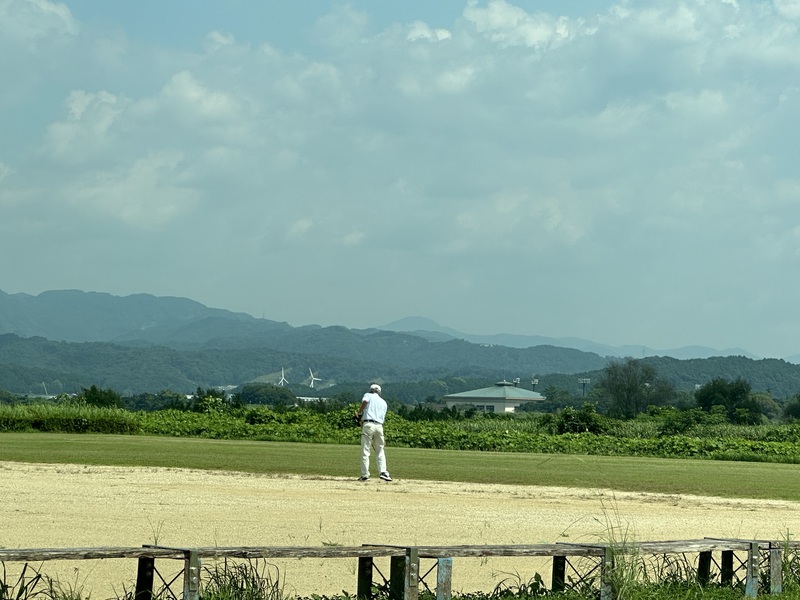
(375, 409)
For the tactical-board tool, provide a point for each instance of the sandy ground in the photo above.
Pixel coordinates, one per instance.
(69, 506)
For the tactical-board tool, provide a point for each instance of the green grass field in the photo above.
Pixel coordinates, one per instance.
(666, 476)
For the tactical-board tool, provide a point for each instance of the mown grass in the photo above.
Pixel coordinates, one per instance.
(635, 474)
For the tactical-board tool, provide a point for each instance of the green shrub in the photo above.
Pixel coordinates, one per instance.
(67, 419)
(582, 420)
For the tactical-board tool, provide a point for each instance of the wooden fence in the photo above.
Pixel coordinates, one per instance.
(729, 561)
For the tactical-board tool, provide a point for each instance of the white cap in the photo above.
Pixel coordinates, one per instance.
(375, 388)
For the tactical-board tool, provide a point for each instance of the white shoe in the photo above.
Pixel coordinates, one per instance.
(385, 476)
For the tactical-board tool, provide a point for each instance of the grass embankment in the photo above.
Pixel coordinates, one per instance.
(633, 474)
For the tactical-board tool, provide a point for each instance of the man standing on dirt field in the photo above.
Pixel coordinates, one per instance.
(373, 413)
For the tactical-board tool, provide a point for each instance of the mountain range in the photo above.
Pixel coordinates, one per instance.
(76, 316)
(433, 331)
(63, 340)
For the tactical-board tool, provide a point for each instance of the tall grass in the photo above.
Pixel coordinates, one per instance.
(250, 580)
(26, 585)
(31, 584)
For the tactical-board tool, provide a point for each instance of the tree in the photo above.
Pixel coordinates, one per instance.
(733, 397)
(267, 393)
(791, 411)
(632, 386)
(554, 399)
(94, 396)
(767, 405)
(212, 400)
(581, 420)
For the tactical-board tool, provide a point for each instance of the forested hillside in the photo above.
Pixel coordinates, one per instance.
(60, 342)
(766, 375)
(30, 365)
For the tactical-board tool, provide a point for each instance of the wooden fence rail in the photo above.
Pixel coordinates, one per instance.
(405, 575)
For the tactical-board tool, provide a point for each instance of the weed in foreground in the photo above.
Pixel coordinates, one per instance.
(27, 585)
(515, 585)
(251, 580)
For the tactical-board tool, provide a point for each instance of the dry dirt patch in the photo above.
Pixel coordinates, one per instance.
(66, 506)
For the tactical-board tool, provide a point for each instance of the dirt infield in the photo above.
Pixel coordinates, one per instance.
(68, 506)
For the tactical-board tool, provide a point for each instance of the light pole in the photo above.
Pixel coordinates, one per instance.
(583, 382)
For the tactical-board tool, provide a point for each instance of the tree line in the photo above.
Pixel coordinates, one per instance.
(623, 390)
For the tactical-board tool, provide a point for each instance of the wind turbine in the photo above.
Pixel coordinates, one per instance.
(283, 379)
(313, 379)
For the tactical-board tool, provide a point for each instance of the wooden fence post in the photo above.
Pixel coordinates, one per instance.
(704, 568)
(726, 567)
(191, 576)
(444, 578)
(559, 573)
(775, 570)
(144, 578)
(364, 591)
(397, 576)
(751, 584)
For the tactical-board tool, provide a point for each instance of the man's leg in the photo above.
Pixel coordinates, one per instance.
(366, 444)
(380, 456)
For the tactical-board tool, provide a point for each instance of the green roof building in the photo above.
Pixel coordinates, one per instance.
(502, 397)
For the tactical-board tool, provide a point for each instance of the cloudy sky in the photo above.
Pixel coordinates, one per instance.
(626, 172)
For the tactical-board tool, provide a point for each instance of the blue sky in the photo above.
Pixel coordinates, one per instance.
(625, 172)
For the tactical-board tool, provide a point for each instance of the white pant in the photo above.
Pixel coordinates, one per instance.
(372, 437)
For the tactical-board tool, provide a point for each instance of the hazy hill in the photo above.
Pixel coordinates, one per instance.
(65, 340)
(76, 316)
(431, 330)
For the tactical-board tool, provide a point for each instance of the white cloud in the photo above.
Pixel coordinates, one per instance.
(788, 190)
(217, 40)
(456, 80)
(189, 96)
(148, 194)
(314, 84)
(31, 21)
(85, 132)
(354, 238)
(509, 25)
(299, 228)
(422, 31)
(520, 219)
(788, 8)
(702, 104)
(678, 22)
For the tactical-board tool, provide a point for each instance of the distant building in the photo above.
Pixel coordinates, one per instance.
(502, 397)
